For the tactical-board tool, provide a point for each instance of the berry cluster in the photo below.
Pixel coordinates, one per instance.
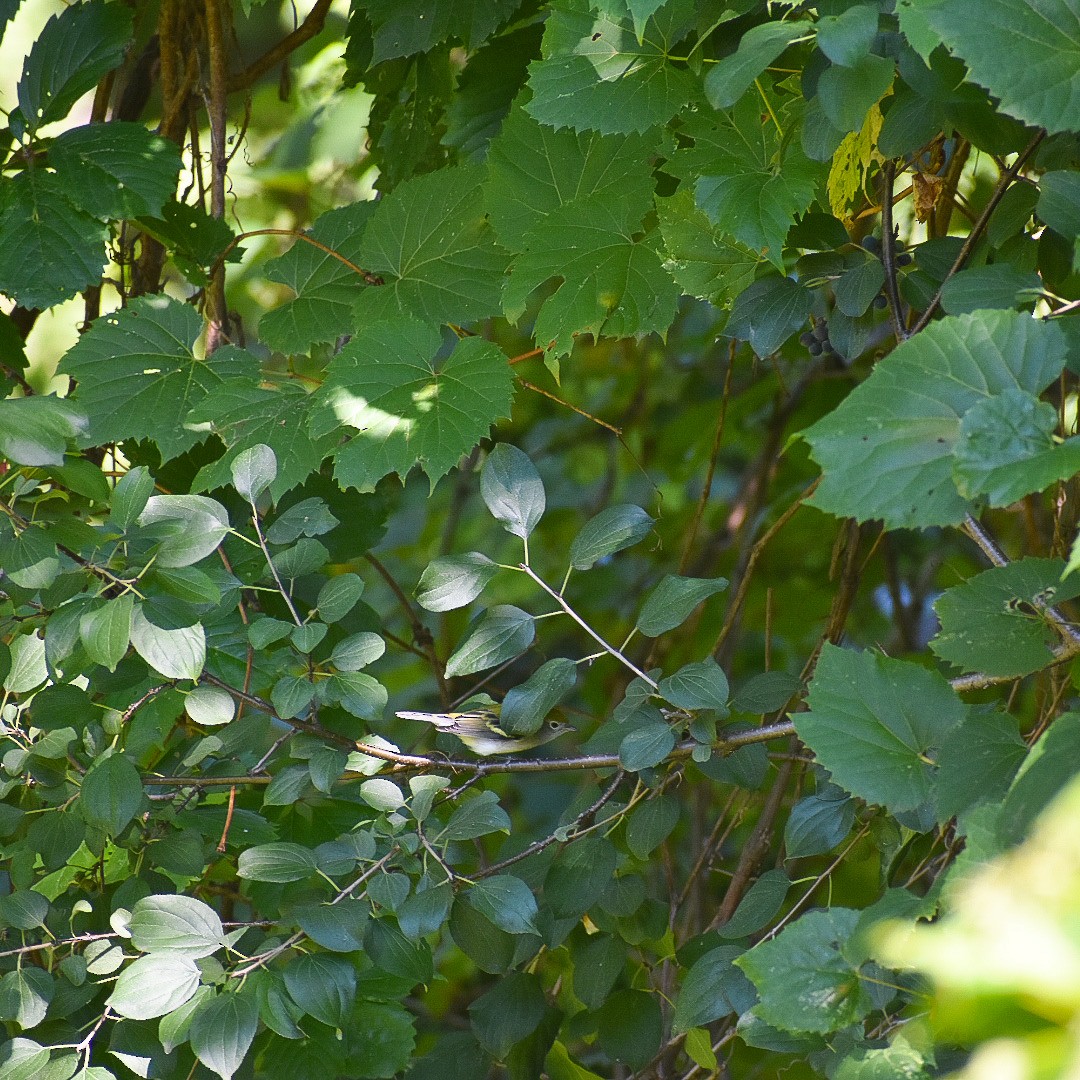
(817, 341)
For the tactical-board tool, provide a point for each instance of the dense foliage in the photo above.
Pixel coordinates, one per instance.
(701, 371)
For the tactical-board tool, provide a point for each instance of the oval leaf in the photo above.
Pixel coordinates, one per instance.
(611, 530)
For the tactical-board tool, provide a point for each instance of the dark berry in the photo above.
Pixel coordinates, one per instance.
(880, 302)
(815, 348)
(903, 259)
(872, 244)
(806, 339)
(821, 331)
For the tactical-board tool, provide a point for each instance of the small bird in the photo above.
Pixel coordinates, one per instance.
(479, 730)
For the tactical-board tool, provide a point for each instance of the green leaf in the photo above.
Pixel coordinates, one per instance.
(71, 53)
(533, 170)
(323, 986)
(209, 706)
(1050, 765)
(595, 75)
(612, 530)
(500, 634)
(244, 415)
(509, 1012)
(704, 260)
(382, 794)
(578, 876)
(999, 286)
(671, 602)
(176, 654)
(154, 985)
(758, 48)
(25, 995)
(357, 693)
(713, 988)
(23, 910)
(507, 901)
(819, 822)
(887, 450)
(404, 27)
(990, 623)
(111, 793)
(512, 490)
(138, 377)
(477, 817)
(701, 685)
(647, 745)
(130, 496)
(598, 962)
(874, 723)
(1007, 449)
(118, 170)
(454, 581)
(612, 279)
(339, 596)
(305, 639)
(175, 1027)
(253, 471)
(525, 706)
(651, 824)
(337, 927)
(749, 180)
(176, 924)
(1059, 201)
(222, 1031)
(403, 407)
(764, 692)
(1018, 51)
(105, 630)
(768, 312)
(630, 1027)
(757, 908)
(802, 977)
(431, 241)
(279, 862)
(33, 561)
(37, 430)
(195, 527)
(51, 248)
(357, 651)
(847, 93)
(857, 287)
(325, 281)
(847, 37)
(978, 761)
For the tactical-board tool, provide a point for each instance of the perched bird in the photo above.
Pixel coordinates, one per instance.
(479, 730)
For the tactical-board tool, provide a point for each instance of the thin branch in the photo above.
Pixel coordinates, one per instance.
(280, 52)
(979, 227)
(888, 256)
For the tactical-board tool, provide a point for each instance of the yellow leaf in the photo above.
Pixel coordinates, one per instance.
(851, 162)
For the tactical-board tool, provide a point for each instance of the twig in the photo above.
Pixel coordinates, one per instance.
(888, 256)
(270, 59)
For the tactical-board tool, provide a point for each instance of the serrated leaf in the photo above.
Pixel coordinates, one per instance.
(280, 862)
(533, 170)
(111, 793)
(978, 761)
(72, 52)
(500, 634)
(119, 170)
(803, 979)
(454, 581)
(875, 723)
(1007, 449)
(52, 249)
(1017, 52)
(222, 1031)
(154, 985)
(405, 27)
(404, 408)
(431, 241)
(671, 602)
(138, 377)
(596, 75)
(990, 623)
(176, 924)
(326, 282)
(887, 450)
(525, 706)
(243, 414)
(176, 654)
(612, 279)
(612, 530)
(512, 490)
